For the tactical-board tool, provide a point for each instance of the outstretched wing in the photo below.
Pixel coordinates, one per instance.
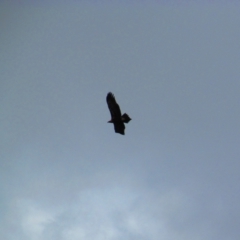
(113, 106)
(119, 127)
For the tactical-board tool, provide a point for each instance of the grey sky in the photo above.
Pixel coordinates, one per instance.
(65, 174)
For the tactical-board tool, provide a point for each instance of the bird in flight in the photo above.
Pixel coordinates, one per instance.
(118, 119)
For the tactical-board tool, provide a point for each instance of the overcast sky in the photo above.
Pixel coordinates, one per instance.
(174, 68)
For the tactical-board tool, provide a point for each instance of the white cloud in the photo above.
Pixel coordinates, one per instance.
(34, 219)
(100, 214)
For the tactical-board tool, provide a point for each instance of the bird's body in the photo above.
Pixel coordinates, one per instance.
(117, 118)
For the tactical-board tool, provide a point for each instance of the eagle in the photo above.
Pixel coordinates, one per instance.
(118, 119)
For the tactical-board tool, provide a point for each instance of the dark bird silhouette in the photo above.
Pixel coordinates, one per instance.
(118, 119)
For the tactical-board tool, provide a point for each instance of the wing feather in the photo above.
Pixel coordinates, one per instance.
(113, 106)
(119, 127)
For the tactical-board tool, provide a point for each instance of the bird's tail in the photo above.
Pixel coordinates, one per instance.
(126, 118)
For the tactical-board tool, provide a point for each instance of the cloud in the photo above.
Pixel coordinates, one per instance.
(33, 219)
(109, 213)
